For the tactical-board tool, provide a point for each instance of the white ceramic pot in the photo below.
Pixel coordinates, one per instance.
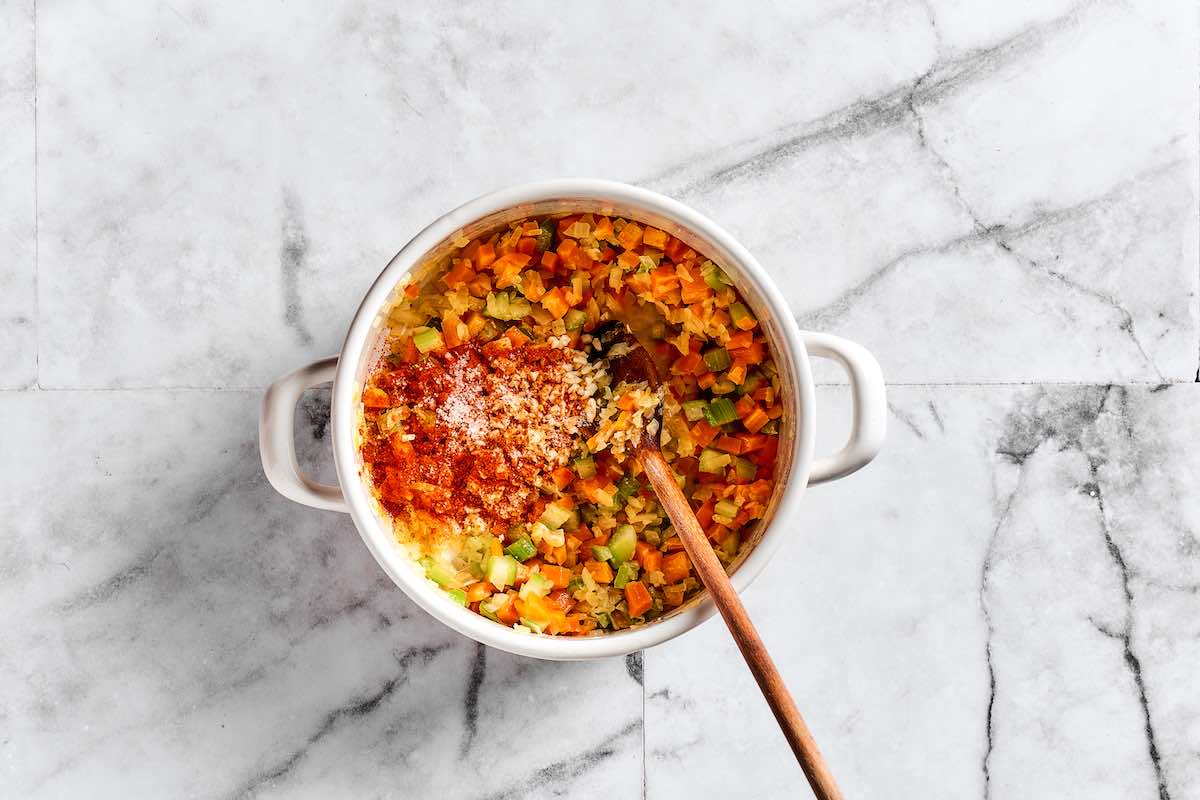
(791, 348)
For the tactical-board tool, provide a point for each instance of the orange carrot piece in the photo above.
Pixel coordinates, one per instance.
(600, 570)
(637, 599)
(755, 420)
(516, 336)
(479, 591)
(558, 576)
(676, 567)
(555, 302)
(655, 238)
(562, 477)
(374, 397)
(630, 236)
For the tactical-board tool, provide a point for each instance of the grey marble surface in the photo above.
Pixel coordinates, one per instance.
(999, 200)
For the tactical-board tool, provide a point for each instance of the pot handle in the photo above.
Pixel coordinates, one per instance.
(276, 439)
(870, 406)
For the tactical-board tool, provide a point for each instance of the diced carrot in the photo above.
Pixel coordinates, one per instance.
(562, 477)
(716, 533)
(532, 286)
(637, 599)
(600, 570)
(527, 246)
(766, 456)
(685, 364)
(704, 513)
(508, 613)
(628, 260)
(707, 380)
(751, 441)
(655, 238)
(479, 591)
(744, 406)
(653, 561)
(567, 248)
(374, 397)
(480, 285)
(676, 250)
(729, 444)
(555, 302)
(603, 229)
(739, 340)
(486, 255)
(516, 336)
(737, 374)
(673, 595)
(641, 549)
(474, 322)
(560, 599)
(663, 280)
(676, 567)
(508, 267)
(626, 402)
(454, 332)
(550, 259)
(755, 420)
(558, 576)
(704, 433)
(630, 236)
(693, 291)
(412, 290)
(460, 274)
(673, 544)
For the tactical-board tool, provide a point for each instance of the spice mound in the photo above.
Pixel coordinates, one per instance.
(469, 435)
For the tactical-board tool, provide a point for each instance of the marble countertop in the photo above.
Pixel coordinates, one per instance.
(999, 200)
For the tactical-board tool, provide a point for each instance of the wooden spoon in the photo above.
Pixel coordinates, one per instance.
(629, 361)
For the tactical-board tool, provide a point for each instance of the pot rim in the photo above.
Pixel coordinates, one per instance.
(381, 542)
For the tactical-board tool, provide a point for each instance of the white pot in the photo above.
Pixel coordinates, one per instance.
(791, 348)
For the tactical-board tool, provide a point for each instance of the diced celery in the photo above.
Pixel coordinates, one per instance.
(572, 522)
(585, 466)
(723, 386)
(720, 411)
(622, 544)
(625, 573)
(713, 461)
(603, 620)
(717, 359)
(497, 305)
(522, 549)
(427, 339)
(731, 543)
(536, 627)
(652, 536)
(739, 312)
(574, 585)
(753, 381)
(713, 276)
(545, 236)
(601, 553)
(628, 486)
(771, 428)
(490, 606)
(458, 596)
(554, 516)
(745, 468)
(575, 319)
(694, 409)
(537, 584)
(519, 307)
(726, 508)
(501, 571)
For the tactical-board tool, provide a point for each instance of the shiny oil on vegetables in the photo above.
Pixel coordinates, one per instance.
(496, 443)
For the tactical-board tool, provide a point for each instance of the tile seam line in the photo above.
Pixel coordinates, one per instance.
(819, 385)
(37, 278)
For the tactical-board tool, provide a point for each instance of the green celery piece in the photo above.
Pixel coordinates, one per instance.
(726, 508)
(625, 573)
(458, 596)
(723, 386)
(601, 553)
(585, 467)
(628, 486)
(545, 236)
(731, 544)
(713, 276)
(427, 339)
(622, 544)
(501, 571)
(745, 468)
(717, 359)
(522, 549)
(490, 606)
(771, 428)
(537, 584)
(713, 461)
(720, 412)
(519, 307)
(752, 382)
(533, 626)
(554, 516)
(693, 410)
(575, 319)
(496, 305)
(739, 312)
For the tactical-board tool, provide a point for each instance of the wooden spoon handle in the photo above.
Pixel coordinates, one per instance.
(712, 574)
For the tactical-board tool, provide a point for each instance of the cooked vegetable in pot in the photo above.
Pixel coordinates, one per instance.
(495, 440)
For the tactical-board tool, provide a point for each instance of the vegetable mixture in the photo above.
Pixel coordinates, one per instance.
(495, 441)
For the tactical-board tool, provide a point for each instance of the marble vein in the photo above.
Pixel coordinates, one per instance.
(870, 114)
(357, 708)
